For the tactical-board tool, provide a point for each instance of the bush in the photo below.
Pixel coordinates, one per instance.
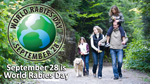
(138, 53)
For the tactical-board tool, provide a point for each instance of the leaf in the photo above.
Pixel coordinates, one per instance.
(97, 4)
(1, 58)
(1, 76)
(90, 15)
(9, 60)
(6, 1)
(2, 7)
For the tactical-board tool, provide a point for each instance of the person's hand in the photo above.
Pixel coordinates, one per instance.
(99, 51)
(82, 53)
(113, 18)
(123, 43)
(99, 43)
(117, 21)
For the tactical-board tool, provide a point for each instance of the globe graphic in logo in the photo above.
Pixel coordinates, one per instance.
(36, 32)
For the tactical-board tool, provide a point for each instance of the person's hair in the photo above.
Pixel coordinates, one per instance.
(117, 23)
(99, 29)
(82, 38)
(114, 8)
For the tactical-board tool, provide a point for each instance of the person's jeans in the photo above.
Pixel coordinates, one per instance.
(85, 58)
(97, 56)
(119, 53)
(110, 30)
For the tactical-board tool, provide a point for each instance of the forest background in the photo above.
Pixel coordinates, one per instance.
(80, 16)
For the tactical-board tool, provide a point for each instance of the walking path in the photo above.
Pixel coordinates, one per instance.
(129, 77)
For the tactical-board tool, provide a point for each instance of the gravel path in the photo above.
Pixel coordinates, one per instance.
(129, 77)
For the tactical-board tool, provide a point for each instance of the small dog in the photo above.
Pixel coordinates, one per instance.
(78, 66)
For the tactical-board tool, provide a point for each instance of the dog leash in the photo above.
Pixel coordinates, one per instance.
(84, 62)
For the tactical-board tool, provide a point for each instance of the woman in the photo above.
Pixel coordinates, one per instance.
(97, 51)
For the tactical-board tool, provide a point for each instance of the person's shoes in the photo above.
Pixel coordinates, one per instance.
(120, 75)
(87, 73)
(107, 45)
(116, 78)
(84, 73)
(94, 75)
(99, 77)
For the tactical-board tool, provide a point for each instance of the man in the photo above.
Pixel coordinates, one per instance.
(116, 49)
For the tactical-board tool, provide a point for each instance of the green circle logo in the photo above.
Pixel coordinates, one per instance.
(36, 32)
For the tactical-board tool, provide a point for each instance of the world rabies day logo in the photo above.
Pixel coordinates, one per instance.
(36, 32)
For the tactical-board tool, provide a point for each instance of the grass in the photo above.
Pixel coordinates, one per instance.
(146, 80)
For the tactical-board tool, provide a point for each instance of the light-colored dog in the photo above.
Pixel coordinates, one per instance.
(78, 66)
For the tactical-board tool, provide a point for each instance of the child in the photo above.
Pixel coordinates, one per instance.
(116, 16)
(84, 51)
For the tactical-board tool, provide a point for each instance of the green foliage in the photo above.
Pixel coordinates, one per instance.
(7, 55)
(66, 8)
(146, 79)
(138, 53)
(53, 60)
(89, 16)
(82, 15)
(107, 59)
(145, 9)
(91, 13)
(67, 65)
(138, 50)
(77, 37)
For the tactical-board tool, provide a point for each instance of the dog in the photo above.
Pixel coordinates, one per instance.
(78, 66)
